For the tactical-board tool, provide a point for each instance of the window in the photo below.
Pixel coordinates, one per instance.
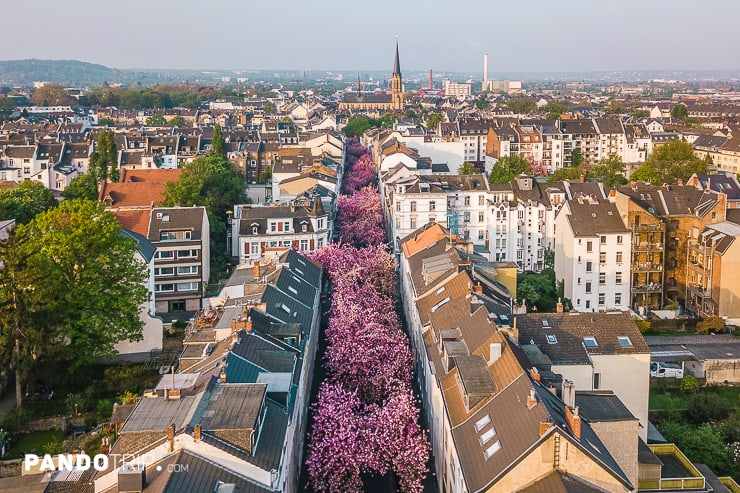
(412, 222)
(187, 286)
(493, 449)
(618, 299)
(578, 281)
(603, 240)
(589, 246)
(273, 227)
(255, 230)
(467, 200)
(286, 226)
(714, 216)
(487, 435)
(589, 266)
(320, 223)
(602, 257)
(481, 217)
(187, 253)
(413, 206)
(304, 245)
(481, 200)
(551, 339)
(481, 234)
(255, 248)
(187, 269)
(482, 422)
(164, 288)
(602, 278)
(590, 341)
(165, 254)
(304, 227)
(398, 206)
(624, 341)
(432, 205)
(619, 239)
(618, 278)
(602, 298)
(588, 304)
(597, 381)
(164, 271)
(588, 287)
(174, 235)
(619, 257)
(466, 217)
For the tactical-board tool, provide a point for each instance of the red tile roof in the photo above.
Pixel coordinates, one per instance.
(138, 188)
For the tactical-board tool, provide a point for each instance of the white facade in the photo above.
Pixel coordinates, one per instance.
(595, 268)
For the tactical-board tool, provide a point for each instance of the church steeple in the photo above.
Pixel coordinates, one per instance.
(397, 84)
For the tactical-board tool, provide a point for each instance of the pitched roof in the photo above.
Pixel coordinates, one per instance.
(138, 188)
(558, 481)
(176, 218)
(422, 238)
(587, 219)
(136, 220)
(570, 329)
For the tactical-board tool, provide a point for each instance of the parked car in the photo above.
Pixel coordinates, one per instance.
(665, 369)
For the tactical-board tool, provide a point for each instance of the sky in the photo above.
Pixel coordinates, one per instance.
(518, 35)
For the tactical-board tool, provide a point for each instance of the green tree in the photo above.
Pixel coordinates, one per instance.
(388, 119)
(563, 174)
(7, 104)
(539, 290)
(25, 201)
(679, 112)
(466, 168)
(177, 121)
(481, 103)
(27, 302)
(576, 157)
(434, 119)
(638, 114)
(99, 286)
(156, 121)
(357, 125)
(509, 167)
(104, 159)
(81, 187)
(213, 183)
(555, 109)
(265, 175)
(689, 384)
(609, 171)
(521, 106)
(704, 444)
(669, 163)
(51, 95)
(269, 108)
(217, 146)
(615, 107)
(711, 325)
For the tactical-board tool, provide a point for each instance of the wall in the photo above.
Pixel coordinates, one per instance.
(620, 438)
(539, 463)
(629, 377)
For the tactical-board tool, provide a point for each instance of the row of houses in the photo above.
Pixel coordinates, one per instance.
(527, 402)
(233, 417)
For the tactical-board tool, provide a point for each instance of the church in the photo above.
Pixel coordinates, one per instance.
(357, 101)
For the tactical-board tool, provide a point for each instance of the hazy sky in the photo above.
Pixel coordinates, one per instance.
(518, 35)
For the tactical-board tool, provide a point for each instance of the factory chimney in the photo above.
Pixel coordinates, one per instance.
(431, 83)
(485, 72)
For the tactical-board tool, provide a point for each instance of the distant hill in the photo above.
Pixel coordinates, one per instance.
(68, 72)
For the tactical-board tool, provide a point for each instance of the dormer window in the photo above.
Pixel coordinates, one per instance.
(255, 230)
(304, 227)
(590, 342)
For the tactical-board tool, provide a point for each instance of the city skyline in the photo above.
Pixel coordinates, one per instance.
(577, 36)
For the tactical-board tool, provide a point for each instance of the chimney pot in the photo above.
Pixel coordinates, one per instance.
(222, 375)
(196, 432)
(171, 437)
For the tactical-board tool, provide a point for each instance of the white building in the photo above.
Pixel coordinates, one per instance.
(592, 255)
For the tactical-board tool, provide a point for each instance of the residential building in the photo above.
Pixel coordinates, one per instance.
(259, 231)
(594, 351)
(592, 254)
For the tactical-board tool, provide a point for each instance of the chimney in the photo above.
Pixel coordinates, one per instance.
(196, 432)
(569, 393)
(171, 436)
(256, 273)
(574, 421)
(222, 375)
(485, 72)
(478, 289)
(495, 352)
(531, 399)
(535, 374)
(680, 182)
(544, 426)
(582, 178)
(559, 306)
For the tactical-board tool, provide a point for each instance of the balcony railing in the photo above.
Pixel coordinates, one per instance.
(693, 479)
(649, 227)
(645, 246)
(647, 267)
(647, 288)
(699, 291)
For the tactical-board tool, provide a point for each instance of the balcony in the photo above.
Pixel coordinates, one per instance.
(699, 291)
(648, 227)
(676, 472)
(647, 267)
(646, 246)
(653, 287)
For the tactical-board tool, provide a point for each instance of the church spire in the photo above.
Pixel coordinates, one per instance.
(397, 62)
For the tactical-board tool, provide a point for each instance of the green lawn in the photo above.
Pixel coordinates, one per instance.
(32, 443)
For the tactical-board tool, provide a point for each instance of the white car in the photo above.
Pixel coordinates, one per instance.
(665, 369)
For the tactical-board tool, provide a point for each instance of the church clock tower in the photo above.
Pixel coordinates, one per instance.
(397, 84)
